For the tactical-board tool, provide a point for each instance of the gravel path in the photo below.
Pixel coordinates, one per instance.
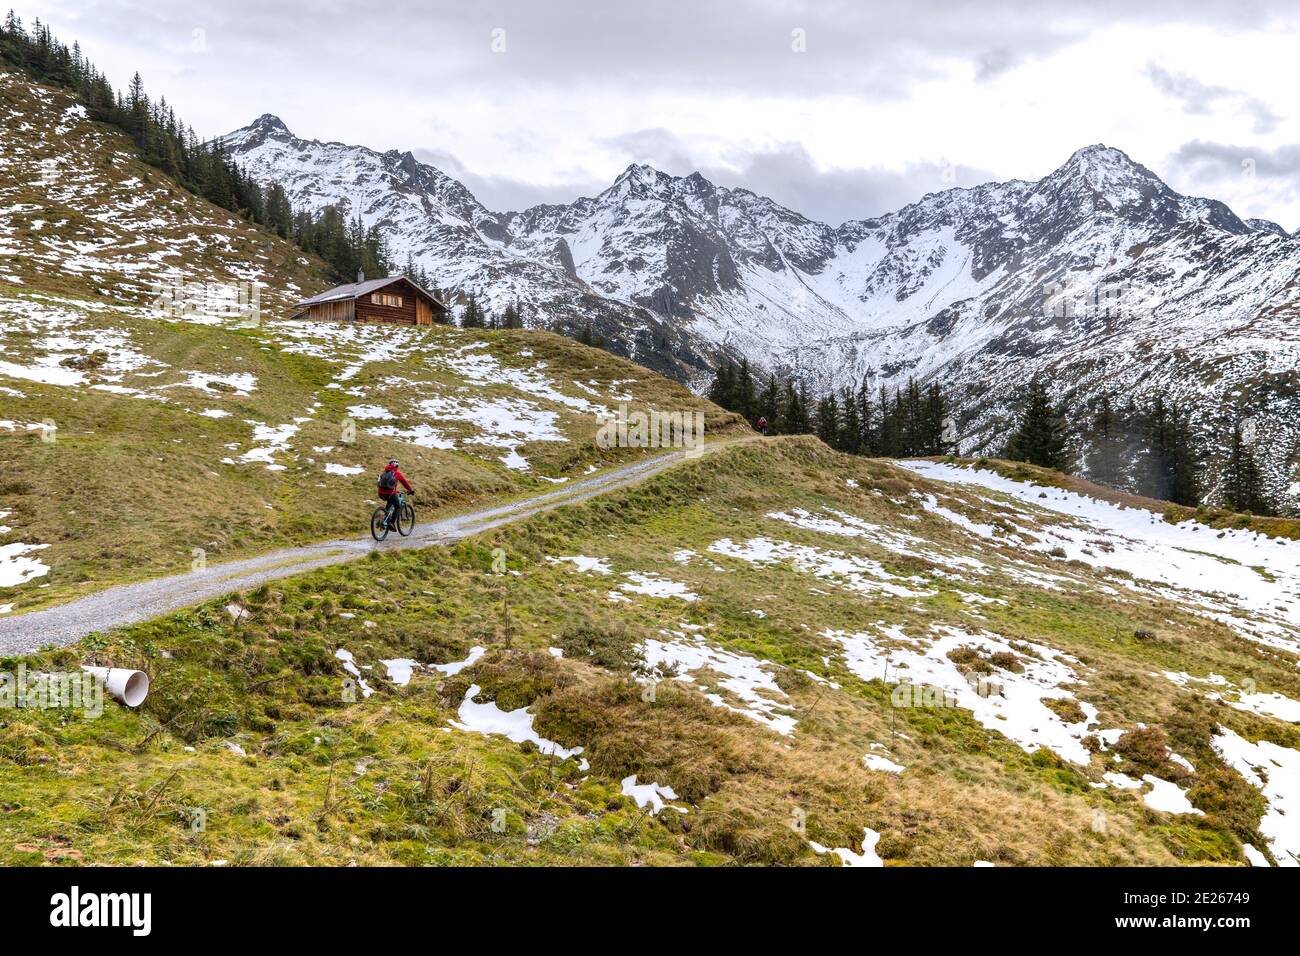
(131, 603)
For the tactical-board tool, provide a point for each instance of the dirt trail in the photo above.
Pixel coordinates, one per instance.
(131, 603)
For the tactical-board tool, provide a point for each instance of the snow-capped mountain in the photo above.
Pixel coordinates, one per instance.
(1098, 276)
(462, 245)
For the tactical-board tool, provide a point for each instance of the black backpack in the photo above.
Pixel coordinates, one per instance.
(388, 480)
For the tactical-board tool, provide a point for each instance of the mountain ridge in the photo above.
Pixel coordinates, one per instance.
(1098, 276)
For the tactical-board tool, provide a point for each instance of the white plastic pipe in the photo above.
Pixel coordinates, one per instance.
(122, 684)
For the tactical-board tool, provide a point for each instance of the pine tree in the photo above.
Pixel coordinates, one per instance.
(1105, 457)
(1185, 468)
(769, 404)
(1040, 436)
(887, 440)
(510, 318)
(910, 416)
(867, 436)
(828, 420)
(850, 436)
(1170, 469)
(796, 419)
(934, 422)
(1243, 485)
(722, 390)
(472, 318)
(745, 399)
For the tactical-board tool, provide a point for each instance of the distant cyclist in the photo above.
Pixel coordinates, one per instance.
(389, 479)
(761, 425)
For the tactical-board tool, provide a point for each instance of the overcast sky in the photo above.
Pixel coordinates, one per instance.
(840, 110)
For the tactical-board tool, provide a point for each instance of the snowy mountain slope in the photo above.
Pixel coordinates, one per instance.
(428, 215)
(1098, 276)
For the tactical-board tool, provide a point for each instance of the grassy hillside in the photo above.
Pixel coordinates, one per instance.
(138, 435)
(83, 216)
(742, 630)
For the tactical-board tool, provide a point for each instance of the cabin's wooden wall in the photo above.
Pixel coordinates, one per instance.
(338, 310)
(370, 311)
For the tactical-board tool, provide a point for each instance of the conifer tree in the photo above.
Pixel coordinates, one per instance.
(722, 390)
(745, 398)
(1243, 485)
(1040, 435)
(850, 434)
(867, 441)
(934, 422)
(472, 317)
(1105, 457)
(1171, 470)
(510, 318)
(828, 420)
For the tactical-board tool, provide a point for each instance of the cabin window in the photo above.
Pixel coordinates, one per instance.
(383, 298)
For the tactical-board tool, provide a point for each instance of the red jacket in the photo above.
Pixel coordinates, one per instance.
(401, 480)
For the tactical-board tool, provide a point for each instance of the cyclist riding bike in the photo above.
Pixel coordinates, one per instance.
(387, 490)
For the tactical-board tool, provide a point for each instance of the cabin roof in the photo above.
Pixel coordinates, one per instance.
(354, 290)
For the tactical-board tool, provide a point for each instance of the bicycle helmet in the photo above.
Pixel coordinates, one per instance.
(393, 462)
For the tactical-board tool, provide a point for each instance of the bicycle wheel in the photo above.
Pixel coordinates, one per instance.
(406, 520)
(378, 526)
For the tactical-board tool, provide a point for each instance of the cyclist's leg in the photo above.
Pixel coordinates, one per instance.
(390, 506)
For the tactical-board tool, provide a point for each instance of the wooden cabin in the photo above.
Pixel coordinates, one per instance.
(396, 300)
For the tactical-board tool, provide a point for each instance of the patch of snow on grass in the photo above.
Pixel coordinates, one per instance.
(1167, 797)
(400, 670)
(516, 725)
(649, 794)
(1254, 856)
(652, 585)
(269, 439)
(746, 678)
(879, 762)
(453, 668)
(423, 435)
(367, 413)
(867, 857)
(583, 563)
(16, 568)
(243, 383)
(1274, 771)
(349, 665)
(856, 573)
(1008, 702)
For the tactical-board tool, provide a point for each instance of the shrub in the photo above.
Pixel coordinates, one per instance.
(609, 644)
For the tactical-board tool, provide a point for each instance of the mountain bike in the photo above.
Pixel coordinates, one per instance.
(404, 516)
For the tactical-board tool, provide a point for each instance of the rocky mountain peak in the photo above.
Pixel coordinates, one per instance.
(270, 123)
(1109, 173)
